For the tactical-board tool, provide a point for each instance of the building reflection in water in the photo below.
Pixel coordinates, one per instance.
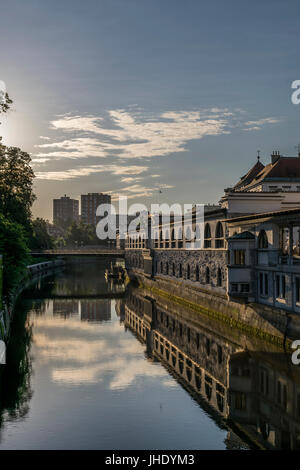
(253, 393)
(91, 310)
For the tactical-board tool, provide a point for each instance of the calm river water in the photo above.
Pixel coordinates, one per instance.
(90, 369)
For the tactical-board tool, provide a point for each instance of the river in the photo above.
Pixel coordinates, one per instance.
(88, 368)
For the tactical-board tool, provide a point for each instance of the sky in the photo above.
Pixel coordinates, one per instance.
(158, 100)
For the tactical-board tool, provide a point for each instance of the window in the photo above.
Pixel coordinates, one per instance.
(280, 286)
(282, 394)
(245, 287)
(180, 270)
(262, 240)
(189, 335)
(173, 269)
(207, 276)
(239, 257)
(220, 354)
(207, 346)
(219, 236)
(264, 284)
(207, 236)
(297, 289)
(197, 273)
(234, 287)
(219, 277)
(264, 382)
(240, 400)
(266, 279)
(167, 268)
(161, 267)
(188, 272)
(173, 238)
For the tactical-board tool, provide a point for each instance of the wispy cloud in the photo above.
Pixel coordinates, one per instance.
(121, 136)
(131, 134)
(257, 125)
(81, 171)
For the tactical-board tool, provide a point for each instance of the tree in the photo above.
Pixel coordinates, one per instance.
(81, 234)
(14, 249)
(5, 102)
(16, 179)
(40, 237)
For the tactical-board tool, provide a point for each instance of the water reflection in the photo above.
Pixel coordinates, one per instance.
(84, 367)
(254, 392)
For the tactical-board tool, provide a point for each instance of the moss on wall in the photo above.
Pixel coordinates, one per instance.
(219, 316)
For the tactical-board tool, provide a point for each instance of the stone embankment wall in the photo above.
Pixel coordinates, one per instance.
(6, 309)
(268, 323)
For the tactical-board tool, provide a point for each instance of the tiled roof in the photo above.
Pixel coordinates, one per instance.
(242, 236)
(283, 167)
(248, 177)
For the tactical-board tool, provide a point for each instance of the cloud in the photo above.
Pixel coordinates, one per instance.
(130, 134)
(257, 125)
(121, 136)
(87, 171)
(76, 352)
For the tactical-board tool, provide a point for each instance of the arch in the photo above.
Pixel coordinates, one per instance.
(173, 269)
(197, 273)
(180, 270)
(207, 236)
(167, 239)
(219, 277)
(188, 234)
(219, 230)
(180, 237)
(188, 272)
(167, 267)
(263, 240)
(219, 235)
(173, 243)
(207, 275)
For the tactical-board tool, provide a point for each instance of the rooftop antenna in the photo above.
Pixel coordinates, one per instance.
(258, 155)
(298, 148)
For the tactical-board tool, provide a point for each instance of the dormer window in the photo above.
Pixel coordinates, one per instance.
(262, 240)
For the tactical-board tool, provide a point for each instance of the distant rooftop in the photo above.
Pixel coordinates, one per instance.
(280, 167)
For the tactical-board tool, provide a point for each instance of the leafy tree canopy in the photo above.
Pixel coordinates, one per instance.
(81, 234)
(16, 179)
(14, 249)
(40, 237)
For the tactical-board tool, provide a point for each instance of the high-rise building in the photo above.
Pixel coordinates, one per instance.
(89, 204)
(65, 209)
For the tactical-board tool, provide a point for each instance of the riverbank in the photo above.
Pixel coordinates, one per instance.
(273, 325)
(32, 272)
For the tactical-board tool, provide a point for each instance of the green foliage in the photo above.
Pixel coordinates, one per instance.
(14, 248)
(5, 104)
(40, 237)
(81, 234)
(16, 179)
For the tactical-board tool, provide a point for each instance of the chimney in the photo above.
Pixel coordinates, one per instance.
(275, 155)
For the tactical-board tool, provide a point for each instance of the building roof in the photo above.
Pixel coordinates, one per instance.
(263, 215)
(280, 168)
(248, 177)
(242, 236)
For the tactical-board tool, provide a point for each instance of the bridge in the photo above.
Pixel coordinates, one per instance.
(101, 252)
